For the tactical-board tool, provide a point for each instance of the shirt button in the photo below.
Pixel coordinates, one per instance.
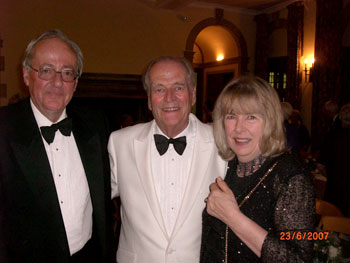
(56, 149)
(61, 202)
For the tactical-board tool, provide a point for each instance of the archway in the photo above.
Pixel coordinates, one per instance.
(212, 75)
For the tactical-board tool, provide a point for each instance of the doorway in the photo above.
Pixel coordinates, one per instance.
(216, 81)
(218, 51)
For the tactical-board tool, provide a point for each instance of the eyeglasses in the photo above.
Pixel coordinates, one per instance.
(47, 73)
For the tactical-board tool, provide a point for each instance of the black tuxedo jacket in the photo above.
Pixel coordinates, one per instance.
(31, 224)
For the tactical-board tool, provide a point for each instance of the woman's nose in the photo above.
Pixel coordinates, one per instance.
(239, 124)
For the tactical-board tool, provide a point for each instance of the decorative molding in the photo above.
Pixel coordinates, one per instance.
(219, 14)
(245, 11)
(241, 60)
(188, 54)
(228, 61)
(280, 6)
(235, 32)
(200, 51)
(238, 10)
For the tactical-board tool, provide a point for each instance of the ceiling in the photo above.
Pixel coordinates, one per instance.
(255, 6)
(216, 40)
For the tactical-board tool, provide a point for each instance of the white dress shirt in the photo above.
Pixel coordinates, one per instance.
(70, 182)
(170, 173)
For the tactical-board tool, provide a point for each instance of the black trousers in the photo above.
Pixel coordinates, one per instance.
(88, 254)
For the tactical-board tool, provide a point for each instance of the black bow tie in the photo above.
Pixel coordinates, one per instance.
(48, 132)
(162, 144)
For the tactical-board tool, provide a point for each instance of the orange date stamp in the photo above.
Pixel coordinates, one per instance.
(304, 235)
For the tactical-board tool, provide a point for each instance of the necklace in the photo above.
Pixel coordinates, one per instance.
(243, 201)
(248, 168)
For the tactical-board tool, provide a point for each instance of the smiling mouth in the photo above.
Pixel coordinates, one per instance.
(242, 140)
(171, 109)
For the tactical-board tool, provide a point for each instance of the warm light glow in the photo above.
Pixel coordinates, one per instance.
(309, 62)
(220, 57)
(308, 68)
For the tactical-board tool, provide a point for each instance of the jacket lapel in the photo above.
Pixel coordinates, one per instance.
(89, 146)
(29, 150)
(34, 163)
(198, 172)
(142, 148)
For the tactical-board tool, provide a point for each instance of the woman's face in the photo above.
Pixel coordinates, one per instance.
(243, 134)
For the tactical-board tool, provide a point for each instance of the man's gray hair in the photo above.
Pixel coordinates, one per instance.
(182, 61)
(56, 33)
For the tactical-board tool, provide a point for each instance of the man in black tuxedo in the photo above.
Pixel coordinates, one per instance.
(54, 167)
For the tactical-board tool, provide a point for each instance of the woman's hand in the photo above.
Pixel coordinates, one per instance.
(221, 202)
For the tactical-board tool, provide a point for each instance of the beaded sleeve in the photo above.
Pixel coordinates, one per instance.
(294, 215)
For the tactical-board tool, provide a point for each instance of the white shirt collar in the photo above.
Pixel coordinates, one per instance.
(186, 132)
(41, 120)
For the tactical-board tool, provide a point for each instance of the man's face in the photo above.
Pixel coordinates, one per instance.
(170, 97)
(51, 96)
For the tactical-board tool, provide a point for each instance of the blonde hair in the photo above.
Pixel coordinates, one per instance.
(249, 94)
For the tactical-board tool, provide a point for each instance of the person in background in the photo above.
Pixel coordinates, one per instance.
(126, 120)
(334, 155)
(303, 134)
(291, 130)
(54, 165)
(267, 195)
(162, 170)
(330, 112)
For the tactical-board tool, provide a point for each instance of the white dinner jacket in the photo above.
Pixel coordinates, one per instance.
(143, 237)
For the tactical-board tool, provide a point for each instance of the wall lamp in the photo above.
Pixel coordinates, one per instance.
(309, 68)
(219, 57)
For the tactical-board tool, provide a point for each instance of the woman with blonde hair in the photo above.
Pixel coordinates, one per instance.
(264, 210)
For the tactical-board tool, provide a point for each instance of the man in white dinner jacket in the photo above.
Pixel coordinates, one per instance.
(162, 170)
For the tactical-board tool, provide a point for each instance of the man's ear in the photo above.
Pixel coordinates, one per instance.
(149, 101)
(26, 76)
(75, 84)
(194, 97)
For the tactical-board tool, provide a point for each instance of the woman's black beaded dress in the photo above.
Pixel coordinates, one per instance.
(283, 203)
